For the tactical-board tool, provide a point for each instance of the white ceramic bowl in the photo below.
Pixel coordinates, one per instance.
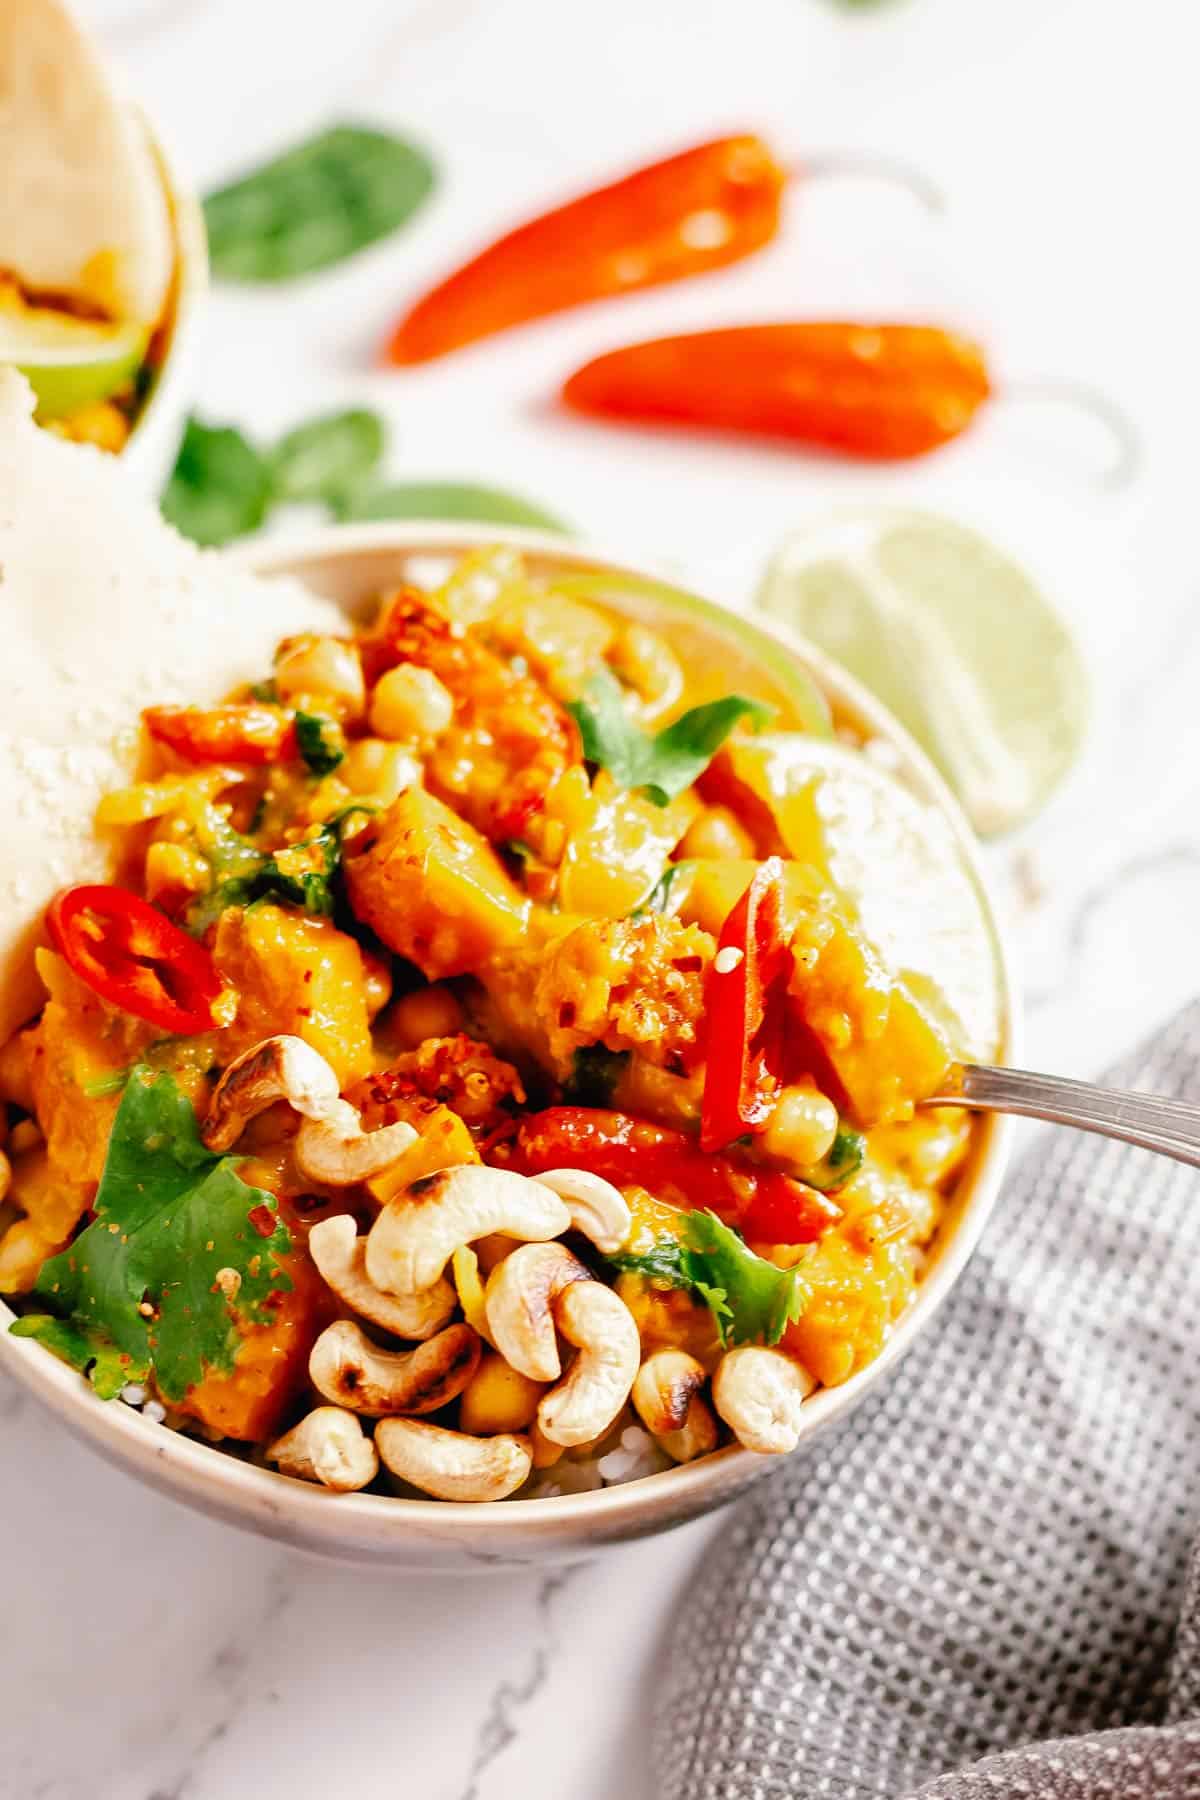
(149, 453)
(352, 565)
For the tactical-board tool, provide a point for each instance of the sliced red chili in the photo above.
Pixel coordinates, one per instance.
(743, 1001)
(134, 958)
(702, 209)
(882, 392)
(237, 733)
(765, 1205)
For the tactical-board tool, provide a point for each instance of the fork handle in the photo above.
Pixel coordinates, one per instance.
(1171, 1127)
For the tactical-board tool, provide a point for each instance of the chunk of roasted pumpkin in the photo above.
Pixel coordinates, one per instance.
(431, 887)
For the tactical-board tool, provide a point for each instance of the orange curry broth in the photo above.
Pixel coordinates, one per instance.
(491, 890)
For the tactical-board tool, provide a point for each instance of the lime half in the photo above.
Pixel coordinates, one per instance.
(69, 363)
(955, 638)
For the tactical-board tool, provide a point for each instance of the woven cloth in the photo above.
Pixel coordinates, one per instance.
(978, 1587)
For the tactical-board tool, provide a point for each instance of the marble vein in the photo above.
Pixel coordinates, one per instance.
(512, 1697)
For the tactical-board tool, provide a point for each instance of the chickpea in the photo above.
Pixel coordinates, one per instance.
(498, 1398)
(801, 1128)
(410, 704)
(378, 771)
(428, 1012)
(325, 666)
(15, 1083)
(26, 1134)
(173, 870)
(377, 982)
(718, 832)
(649, 666)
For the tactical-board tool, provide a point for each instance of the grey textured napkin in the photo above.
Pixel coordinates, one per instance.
(985, 1569)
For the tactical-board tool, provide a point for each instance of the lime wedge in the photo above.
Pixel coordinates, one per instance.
(897, 862)
(69, 363)
(955, 638)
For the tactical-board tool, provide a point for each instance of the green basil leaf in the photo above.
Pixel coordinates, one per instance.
(668, 762)
(220, 487)
(326, 455)
(320, 742)
(444, 500)
(315, 205)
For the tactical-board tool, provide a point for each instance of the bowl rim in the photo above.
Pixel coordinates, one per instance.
(369, 1525)
(189, 285)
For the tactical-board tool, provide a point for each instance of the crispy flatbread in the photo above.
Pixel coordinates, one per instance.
(104, 609)
(82, 207)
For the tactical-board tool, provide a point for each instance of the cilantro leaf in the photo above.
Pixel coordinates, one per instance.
(674, 757)
(301, 875)
(750, 1299)
(843, 1159)
(107, 1367)
(181, 1251)
(320, 742)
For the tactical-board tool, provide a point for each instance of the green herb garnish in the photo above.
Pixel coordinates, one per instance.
(443, 500)
(320, 459)
(674, 757)
(107, 1084)
(751, 1300)
(220, 487)
(181, 1252)
(315, 205)
(659, 898)
(843, 1159)
(595, 1072)
(301, 875)
(320, 742)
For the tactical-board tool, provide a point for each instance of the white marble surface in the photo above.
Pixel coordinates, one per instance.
(150, 1654)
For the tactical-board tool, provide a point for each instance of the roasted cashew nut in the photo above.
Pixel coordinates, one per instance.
(597, 1208)
(667, 1399)
(336, 1152)
(351, 1371)
(340, 1256)
(450, 1465)
(331, 1146)
(759, 1394)
(280, 1068)
(520, 1297)
(329, 1446)
(421, 1227)
(602, 1328)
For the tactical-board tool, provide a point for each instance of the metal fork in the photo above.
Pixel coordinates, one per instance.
(1171, 1127)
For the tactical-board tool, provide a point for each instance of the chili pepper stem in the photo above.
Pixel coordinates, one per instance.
(1080, 397)
(861, 165)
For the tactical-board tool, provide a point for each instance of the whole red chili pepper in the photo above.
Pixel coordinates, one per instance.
(700, 210)
(744, 1028)
(132, 956)
(250, 733)
(766, 1206)
(877, 391)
